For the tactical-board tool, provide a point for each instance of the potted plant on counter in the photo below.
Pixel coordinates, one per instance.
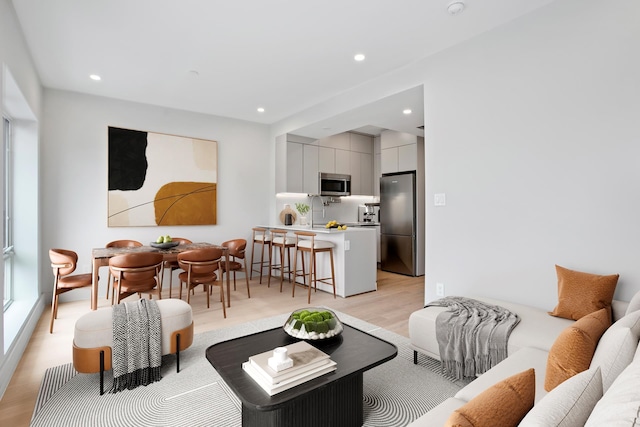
(303, 208)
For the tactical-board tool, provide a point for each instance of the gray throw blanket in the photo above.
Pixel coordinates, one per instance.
(472, 335)
(137, 344)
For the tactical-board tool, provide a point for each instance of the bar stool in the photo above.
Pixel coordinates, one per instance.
(309, 244)
(262, 238)
(281, 242)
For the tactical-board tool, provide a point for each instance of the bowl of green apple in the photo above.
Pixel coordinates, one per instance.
(164, 242)
(313, 323)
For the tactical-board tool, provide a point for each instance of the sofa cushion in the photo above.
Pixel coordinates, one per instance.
(620, 405)
(525, 358)
(634, 304)
(503, 404)
(572, 352)
(617, 347)
(582, 293)
(569, 404)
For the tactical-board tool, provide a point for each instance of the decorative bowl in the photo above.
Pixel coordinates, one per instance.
(313, 323)
(164, 245)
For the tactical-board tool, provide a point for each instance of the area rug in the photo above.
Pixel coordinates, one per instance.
(395, 393)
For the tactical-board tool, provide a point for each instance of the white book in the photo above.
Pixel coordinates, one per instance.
(305, 358)
(272, 389)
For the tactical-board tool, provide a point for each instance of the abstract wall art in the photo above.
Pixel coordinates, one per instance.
(159, 180)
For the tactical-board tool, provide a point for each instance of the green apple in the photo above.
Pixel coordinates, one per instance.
(167, 239)
(160, 239)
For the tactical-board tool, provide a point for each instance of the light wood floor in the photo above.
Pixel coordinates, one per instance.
(389, 307)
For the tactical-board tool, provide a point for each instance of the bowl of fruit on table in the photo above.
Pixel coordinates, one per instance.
(164, 242)
(313, 324)
(335, 224)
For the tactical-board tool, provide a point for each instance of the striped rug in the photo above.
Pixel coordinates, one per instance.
(395, 393)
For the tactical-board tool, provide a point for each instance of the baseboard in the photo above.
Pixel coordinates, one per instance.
(17, 348)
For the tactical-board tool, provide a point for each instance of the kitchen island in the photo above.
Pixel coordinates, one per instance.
(354, 258)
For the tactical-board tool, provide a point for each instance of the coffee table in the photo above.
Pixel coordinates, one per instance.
(334, 399)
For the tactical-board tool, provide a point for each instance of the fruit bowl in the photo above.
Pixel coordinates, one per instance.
(164, 245)
(313, 323)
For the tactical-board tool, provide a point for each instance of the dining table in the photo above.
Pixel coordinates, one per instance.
(100, 258)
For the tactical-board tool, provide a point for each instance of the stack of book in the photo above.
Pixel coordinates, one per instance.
(308, 363)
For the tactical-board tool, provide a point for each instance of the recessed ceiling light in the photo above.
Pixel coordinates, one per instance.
(95, 77)
(260, 110)
(359, 57)
(455, 7)
(406, 111)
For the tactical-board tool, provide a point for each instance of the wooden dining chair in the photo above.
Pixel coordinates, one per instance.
(237, 248)
(63, 263)
(173, 265)
(200, 266)
(118, 244)
(139, 273)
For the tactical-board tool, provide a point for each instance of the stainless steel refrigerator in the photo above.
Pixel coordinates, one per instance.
(401, 233)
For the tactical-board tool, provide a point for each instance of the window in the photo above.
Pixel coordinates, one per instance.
(8, 253)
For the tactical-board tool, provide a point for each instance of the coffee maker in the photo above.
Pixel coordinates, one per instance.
(369, 213)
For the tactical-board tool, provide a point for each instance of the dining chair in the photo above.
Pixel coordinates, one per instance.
(237, 248)
(200, 267)
(63, 263)
(139, 272)
(118, 244)
(173, 265)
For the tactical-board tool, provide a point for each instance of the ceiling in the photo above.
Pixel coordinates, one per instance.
(227, 58)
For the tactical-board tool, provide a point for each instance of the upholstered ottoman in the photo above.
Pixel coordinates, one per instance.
(93, 337)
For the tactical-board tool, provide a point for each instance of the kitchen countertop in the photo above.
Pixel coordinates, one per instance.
(320, 229)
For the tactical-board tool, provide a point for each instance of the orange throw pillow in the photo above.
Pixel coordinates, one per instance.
(572, 351)
(504, 404)
(582, 293)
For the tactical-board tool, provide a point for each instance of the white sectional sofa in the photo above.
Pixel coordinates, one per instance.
(528, 347)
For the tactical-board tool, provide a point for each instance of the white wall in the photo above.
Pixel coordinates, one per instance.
(74, 168)
(532, 132)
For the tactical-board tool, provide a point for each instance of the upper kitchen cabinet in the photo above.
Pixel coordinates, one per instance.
(300, 159)
(296, 164)
(398, 151)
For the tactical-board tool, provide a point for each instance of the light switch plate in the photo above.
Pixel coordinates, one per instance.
(440, 289)
(439, 199)
(347, 245)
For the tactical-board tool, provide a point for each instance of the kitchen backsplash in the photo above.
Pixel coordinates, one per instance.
(345, 211)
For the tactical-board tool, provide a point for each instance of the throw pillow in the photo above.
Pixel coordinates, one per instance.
(504, 404)
(569, 404)
(620, 405)
(582, 293)
(617, 347)
(573, 350)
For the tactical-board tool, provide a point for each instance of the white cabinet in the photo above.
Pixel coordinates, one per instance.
(300, 159)
(399, 151)
(310, 169)
(326, 159)
(294, 167)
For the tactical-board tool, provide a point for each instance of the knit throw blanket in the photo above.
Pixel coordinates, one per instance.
(137, 345)
(472, 335)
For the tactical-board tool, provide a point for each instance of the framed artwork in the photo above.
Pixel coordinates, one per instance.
(160, 180)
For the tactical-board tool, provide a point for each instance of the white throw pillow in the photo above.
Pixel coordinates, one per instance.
(568, 404)
(620, 405)
(616, 348)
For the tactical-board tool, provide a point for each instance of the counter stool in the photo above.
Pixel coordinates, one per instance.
(281, 242)
(262, 238)
(309, 244)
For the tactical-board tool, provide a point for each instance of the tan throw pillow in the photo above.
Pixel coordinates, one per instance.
(582, 293)
(504, 404)
(572, 351)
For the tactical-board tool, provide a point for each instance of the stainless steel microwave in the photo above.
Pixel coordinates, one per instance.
(333, 184)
